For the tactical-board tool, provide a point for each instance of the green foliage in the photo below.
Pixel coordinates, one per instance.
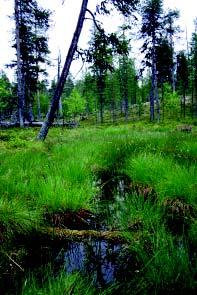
(164, 53)
(171, 102)
(126, 7)
(7, 98)
(152, 18)
(74, 105)
(182, 73)
(89, 91)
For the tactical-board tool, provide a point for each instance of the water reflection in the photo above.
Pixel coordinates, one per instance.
(100, 260)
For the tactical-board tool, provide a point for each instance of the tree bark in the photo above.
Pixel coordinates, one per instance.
(20, 82)
(59, 89)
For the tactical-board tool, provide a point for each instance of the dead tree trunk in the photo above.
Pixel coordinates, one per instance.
(80, 235)
(59, 89)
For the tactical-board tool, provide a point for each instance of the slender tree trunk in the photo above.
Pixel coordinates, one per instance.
(101, 85)
(184, 102)
(172, 66)
(59, 89)
(20, 80)
(60, 108)
(162, 98)
(152, 98)
(113, 102)
(192, 98)
(126, 111)
(101, 98)
(113, 106)
(38, 106)
(154, 89)
(195, 97)
(30, 112)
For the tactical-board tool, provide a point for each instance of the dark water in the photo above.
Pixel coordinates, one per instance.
(101, 261)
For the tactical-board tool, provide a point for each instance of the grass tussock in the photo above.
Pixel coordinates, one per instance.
(16, 217)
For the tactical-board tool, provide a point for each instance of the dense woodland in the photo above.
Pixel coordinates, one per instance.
(107, 203)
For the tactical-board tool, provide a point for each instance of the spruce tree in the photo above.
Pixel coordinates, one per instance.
(152, 16)
(31, 46)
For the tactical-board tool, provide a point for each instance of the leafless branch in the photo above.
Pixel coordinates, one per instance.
(94, 19)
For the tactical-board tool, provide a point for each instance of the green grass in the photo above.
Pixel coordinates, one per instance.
(65, 173)
(62, 173)
(62, 284)
(16, 217)
(166, 266)
(166, 176)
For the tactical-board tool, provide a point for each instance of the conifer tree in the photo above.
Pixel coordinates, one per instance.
(152, 14)
(31, 46)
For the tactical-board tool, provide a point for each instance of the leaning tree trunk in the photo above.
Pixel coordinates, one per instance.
(20, 82)
(59, 89)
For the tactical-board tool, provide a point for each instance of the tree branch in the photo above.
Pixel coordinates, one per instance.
(94, 19)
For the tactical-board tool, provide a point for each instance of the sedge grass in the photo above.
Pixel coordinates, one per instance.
(167, 177)
(166, 265)
(62, 284)
(15, 217)
(61, 174)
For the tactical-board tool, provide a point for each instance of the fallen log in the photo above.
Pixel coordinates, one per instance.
(79, 235)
